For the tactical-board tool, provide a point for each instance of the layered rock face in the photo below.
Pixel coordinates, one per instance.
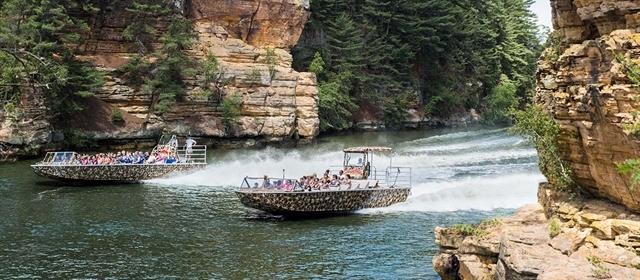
(590, 96)
(278, 103)
(592, 239)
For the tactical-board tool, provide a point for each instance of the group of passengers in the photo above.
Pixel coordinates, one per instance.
(122, 157)
(310, 182)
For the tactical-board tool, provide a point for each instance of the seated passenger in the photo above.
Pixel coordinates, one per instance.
(347, 180)
(334, 181)
(151, 159)
(171, 159)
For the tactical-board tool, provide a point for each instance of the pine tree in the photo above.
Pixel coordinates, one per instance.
(142, 28)
(34, 50)
(172, 64)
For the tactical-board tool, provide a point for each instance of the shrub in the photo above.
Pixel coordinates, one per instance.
(539, 127)
(272, 61)
(499, 104)
(231, 110)
(554, 228)
(478, 230)
(116, 115)
(599, 270)
(77, 139)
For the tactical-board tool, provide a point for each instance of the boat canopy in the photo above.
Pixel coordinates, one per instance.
(366, 149)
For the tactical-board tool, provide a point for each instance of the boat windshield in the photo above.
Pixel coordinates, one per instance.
(354, 159)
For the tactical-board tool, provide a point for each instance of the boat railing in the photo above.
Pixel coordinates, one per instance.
(58, 158)
(197, 154)
(397, 176)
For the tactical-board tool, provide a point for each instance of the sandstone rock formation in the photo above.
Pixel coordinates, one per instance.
(522, 246)
(587, 91)
(278, 103)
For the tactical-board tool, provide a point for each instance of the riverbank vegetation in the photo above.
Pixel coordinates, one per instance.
(448, 57)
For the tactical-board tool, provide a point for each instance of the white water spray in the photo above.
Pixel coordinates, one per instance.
(483, 170)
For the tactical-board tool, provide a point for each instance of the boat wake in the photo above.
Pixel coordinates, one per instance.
(481, 170)
(484, 194)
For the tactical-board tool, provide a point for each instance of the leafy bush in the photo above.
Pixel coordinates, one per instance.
(554, 228)
(478, 230)
(539, 127)
(231, 110)
(254, 75)
(272, 61)
(76, 139)
(599, 270)
(500, 103)
(135, 71)
(116, 115)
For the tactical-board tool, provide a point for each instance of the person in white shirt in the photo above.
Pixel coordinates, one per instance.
(189, 147)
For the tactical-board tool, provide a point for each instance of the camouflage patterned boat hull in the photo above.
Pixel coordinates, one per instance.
(280, 202)
(114, 172)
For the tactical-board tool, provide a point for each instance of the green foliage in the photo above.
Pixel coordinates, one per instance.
(599, 270)
(443, 104)
(479, 230)
(452, 54)
(540, 128)
(135, 71)
(78, 140)
(395, 110)
(335, 107)
(631, 166)
(231, 110)
(317, 64)
(272, 61)
(211, 69)
(254, 75)
(35, 37)
(554, 228)
(500, 103)
(631, 68)
(172, 64)
(142, 29)
(116, 115)
(553, 44)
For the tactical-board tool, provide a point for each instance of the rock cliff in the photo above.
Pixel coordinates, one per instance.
(278, 103)
(585, 239)
(583, 82)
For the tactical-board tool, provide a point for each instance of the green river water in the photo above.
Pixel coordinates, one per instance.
(194, 227)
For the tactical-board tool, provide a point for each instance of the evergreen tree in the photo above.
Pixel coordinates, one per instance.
(142, 28)
(34, 51)
(172, 64)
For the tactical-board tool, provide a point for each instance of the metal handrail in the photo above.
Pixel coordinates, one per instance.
(398, 176)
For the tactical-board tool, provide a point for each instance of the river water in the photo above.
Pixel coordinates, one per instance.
(194, 227)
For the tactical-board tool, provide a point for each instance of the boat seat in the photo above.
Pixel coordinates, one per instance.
(371, 184)
(364, 184)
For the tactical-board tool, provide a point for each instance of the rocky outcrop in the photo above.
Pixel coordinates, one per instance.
(587, 91)
(278, 103)
(580, 20)
(589, 95)
(595, 238)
